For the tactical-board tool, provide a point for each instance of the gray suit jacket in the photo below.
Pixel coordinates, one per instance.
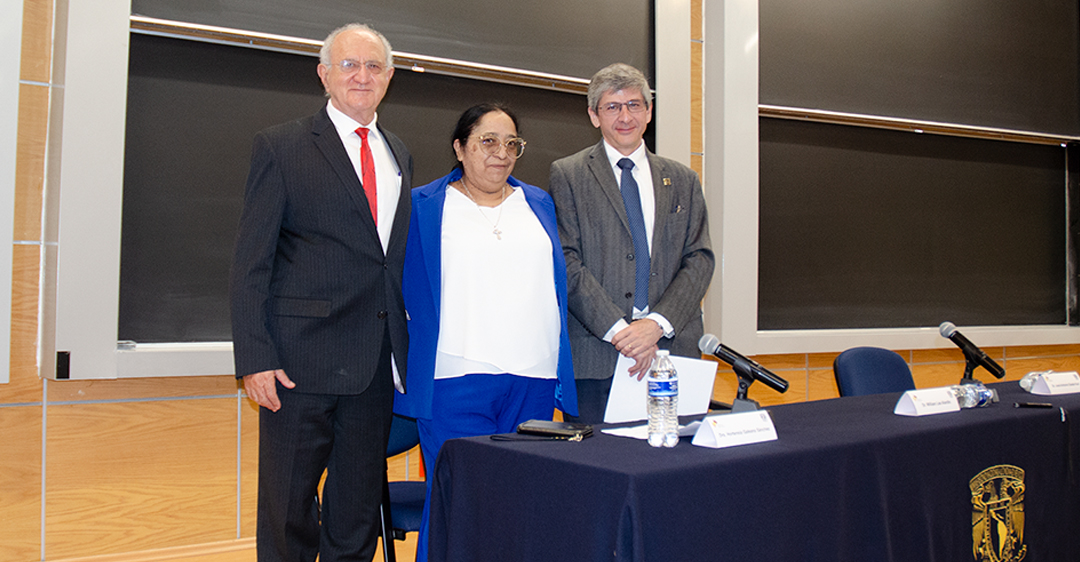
(598, 247)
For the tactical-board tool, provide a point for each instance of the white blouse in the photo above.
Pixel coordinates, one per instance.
(499, 310)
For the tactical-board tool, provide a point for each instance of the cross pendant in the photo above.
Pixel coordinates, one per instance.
(497, 233)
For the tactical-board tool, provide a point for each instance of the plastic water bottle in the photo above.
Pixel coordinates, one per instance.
(663, 405)
(974, 395)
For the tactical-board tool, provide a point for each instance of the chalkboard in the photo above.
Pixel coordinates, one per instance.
(1012, 64)
(193, 109)
(866, 228)
(568, 37)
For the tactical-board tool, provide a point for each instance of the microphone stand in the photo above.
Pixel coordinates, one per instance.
(746, 378)
(741, 402)
(969, 370)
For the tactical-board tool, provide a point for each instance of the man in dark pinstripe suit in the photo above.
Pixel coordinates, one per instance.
(319, 334)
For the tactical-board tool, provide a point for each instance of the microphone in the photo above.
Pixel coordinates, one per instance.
(971, 351)
(710, 345)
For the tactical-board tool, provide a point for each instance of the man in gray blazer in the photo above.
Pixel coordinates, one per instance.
(635, 235)
(317, 312)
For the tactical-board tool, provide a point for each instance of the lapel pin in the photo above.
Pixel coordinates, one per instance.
(667, 181)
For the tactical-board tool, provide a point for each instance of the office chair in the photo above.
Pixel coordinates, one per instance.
(871, 370)
(403, 501)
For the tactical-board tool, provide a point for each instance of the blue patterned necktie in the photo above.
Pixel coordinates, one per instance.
(632, 202)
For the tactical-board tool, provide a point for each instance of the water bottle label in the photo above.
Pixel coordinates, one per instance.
(668, 387)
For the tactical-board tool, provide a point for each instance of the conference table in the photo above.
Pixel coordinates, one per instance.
(847, 479)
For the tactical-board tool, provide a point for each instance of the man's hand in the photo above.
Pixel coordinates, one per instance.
(643, 362)
(260, 387)
(638, 342)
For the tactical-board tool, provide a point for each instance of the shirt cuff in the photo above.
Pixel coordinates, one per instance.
(616, 328)
(669, 331)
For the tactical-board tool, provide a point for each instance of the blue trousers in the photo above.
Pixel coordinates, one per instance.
(474, 405)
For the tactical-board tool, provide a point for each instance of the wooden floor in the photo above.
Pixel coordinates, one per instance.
(231, 551)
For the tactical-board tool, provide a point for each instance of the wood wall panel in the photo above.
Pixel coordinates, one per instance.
(821, 360)
(697, 163)
(129, 476)
(137, 388)
(822, 385)
(696, 17)
(930, 375)
(1015, 369)
(20, 484)
(24, 385)
(724, 387)
(36, 40)
(30, 160)
(249, 466)
(949, 353)
(798, 388)
(237, 550)
(1025, 351)
(781, 362)
(697, 144)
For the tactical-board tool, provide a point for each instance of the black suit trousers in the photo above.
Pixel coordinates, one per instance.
(344, 434)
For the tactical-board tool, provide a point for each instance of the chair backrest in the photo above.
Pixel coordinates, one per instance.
(871, 370)
(403, 501)
(403, 436)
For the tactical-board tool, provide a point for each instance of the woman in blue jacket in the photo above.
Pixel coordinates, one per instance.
(485, 296)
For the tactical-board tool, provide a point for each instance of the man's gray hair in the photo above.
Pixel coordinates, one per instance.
(617, 77)
(324, 52)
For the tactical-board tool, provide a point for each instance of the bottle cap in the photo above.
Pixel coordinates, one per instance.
(661, 353)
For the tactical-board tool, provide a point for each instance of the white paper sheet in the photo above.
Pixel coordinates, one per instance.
(627, 399)
(642, 431)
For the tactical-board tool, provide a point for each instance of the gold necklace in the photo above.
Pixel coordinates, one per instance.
(494, 225)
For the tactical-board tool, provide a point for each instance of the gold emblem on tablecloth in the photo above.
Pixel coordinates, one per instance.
(997, 518)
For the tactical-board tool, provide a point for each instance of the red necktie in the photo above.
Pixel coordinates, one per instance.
(367, 169)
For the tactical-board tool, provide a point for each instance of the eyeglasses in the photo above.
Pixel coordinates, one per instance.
(614, 108)
(491, 143)
(349, 67)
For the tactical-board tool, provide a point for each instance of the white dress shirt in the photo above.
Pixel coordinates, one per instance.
(387, 174)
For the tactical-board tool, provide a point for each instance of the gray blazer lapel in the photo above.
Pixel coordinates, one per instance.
(662, 192)
(602, 172)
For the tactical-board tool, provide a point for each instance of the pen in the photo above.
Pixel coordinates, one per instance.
(1032, 405)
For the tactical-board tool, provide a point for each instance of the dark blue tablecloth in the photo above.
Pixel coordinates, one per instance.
(846, 480)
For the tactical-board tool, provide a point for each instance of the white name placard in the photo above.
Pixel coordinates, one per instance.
(1048, 384)
(730, 430)
(927, 401)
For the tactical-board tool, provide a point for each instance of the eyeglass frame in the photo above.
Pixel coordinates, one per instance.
(613, 108)
(494, 149)
(348, 67)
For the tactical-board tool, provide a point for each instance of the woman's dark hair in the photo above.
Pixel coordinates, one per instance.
(467, 122)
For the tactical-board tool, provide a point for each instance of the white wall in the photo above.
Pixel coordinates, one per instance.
(11, 18)
(84, 186)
